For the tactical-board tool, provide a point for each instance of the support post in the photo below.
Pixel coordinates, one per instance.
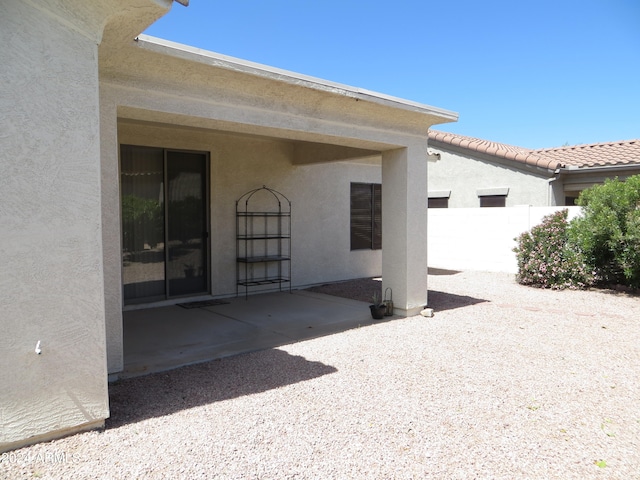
(404, 227)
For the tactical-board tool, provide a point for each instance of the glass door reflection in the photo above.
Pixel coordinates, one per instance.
(142, 187)
(186, 223)
(164, 223)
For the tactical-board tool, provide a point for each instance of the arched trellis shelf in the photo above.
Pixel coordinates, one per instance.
(263, 240)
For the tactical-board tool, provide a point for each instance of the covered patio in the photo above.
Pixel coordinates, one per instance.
(168, 337)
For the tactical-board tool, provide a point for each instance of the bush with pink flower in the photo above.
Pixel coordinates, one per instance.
(547, 259)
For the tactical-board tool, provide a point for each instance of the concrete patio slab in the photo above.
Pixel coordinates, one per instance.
(163, 338)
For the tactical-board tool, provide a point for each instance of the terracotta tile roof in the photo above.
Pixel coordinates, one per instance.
(594, 155)
(509, 152)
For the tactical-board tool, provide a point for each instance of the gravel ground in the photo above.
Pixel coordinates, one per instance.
(504, 382)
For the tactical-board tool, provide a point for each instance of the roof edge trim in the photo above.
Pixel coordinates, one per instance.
(179, 50)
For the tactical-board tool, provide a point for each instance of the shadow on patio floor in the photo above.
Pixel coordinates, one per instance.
(136, 399)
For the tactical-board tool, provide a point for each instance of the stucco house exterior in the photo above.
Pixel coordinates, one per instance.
(101, 125)
(467, 172)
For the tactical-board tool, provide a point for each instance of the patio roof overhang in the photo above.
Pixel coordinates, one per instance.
(164, 83)
(285, 77)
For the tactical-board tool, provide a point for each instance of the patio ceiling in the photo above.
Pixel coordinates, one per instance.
(307, 147)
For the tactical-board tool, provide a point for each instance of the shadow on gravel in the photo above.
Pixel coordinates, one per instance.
(363, 289)
(441, 301)
(619, 291)
(159, 394)
(442, 271)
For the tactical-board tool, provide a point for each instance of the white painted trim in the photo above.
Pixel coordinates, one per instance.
(485, 192)
(439, 193)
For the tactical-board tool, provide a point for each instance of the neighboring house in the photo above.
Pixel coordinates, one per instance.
(112, 149)
(471, 172)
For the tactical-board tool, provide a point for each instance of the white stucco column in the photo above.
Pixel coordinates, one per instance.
(404, 227)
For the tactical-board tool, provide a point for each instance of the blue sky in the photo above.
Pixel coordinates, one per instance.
(530, 73)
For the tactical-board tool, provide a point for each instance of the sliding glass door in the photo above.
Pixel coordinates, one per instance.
(186, 223)
(165, 238)
(143, 242)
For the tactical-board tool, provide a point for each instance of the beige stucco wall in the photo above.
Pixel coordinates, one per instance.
(51, 283)
(464, 175)
(320, 203)
(319, 194)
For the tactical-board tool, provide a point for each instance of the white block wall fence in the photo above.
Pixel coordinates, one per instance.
(481, 238)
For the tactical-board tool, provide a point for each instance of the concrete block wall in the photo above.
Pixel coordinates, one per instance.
(481, 238)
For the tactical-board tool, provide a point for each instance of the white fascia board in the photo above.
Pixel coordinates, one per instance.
(219, 60)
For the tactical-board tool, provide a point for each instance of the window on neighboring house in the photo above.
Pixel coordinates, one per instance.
(438, 203)
(570, 201)
(438, 198)
(366, 216)
(493, 197)
(493, 201)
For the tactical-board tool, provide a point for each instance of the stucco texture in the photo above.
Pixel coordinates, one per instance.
(320, 204)
(50, 240)
(320, 220)
(464, 175)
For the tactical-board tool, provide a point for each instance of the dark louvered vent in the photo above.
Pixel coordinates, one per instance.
(366, 216)
(493, 201)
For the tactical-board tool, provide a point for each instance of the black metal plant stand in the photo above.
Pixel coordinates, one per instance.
(263, 240)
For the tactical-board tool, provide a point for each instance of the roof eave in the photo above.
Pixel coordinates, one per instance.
(573, 169)
(517, 159)
(522, 163)
(218, 60)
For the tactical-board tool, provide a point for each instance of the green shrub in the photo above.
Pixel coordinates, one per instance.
(608, 233)
(547, 259)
